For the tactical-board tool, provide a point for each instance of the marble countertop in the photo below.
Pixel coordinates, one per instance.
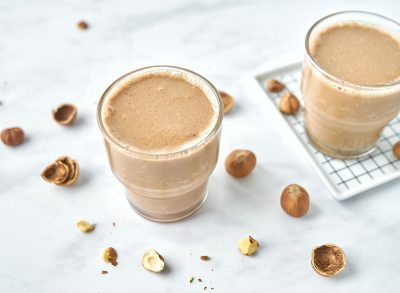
(45, 60)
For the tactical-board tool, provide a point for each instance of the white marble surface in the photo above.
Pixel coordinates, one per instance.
(45, 60)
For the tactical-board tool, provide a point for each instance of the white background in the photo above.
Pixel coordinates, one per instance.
(45, 60)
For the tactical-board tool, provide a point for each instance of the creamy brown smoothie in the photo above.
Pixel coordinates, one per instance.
(162, 127)
(350, 85)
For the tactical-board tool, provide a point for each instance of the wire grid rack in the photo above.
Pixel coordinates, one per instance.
(344, 178)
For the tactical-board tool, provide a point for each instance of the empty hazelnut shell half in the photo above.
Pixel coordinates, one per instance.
(240, 163)
(153, 261)
(328, 260)
(65, 114)
(289, 104)
(228, 100)
(64, 171)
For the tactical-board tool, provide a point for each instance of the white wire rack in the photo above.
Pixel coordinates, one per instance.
(344, 178)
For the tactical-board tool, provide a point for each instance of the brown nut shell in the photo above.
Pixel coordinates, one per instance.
(56, 173)
(73, 168)
(275, 86)
(83, 25)
(396, 149)
(240, 163)
(295, 200)
(289, 104)
(12, 136)
(65, 114)
(328, 260)
(110, 255)
(228, 100)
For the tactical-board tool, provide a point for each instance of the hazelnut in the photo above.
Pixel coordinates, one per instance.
(65, 114)
(110, 255)
(248, 246)
(12, 136)
(204, 257)
(295, 200)
(274, 86)
(64, 171)
(328, 260)
(228, 101)
(289, 104)
(153, 261)
(396, 149)
(85, 226)
(82, 25)
(240, 163)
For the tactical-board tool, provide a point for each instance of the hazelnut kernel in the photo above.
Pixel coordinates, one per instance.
(396, 149)
(65, 114)
(110, 255)
(240, 163)
(295, 200)
(228, 100)
(12, 136)
(328, 260)
(85, 226)
(153, 261)
(248, 246)
(289, 104)
(275, 86)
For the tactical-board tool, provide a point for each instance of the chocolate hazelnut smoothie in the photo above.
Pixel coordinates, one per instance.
(350, 85)
(162, 127)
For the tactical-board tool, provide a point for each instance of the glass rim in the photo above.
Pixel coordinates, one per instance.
(208, 137)
(333, 77)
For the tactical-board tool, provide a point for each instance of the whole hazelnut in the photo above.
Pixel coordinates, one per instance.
(228, 101)
(240, 163)
(396, 149)
(289, 104)
(274, 86)
(12, 136)
(295, 200)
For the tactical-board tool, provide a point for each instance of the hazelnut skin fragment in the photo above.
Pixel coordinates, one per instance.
(65, 114)
(248, 246)
(295, 200)
(153, 261)
(85, 226)
(289, 104)
(275, 86)
(396, 149)
(64, 171)
(110, 255)
(12, 136)
(228, 100)
(204, 257)
(240, 163)
(328, 260)
(83, 25)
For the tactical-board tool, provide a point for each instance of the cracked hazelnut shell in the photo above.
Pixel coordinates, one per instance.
(295, 200)
(12, 136)
(228, 100)
(289, 104)
(65, 114)
(240, 163)
(153, 261)
(64, 171)
(328, 260)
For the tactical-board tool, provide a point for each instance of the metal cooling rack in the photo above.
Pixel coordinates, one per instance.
(344, 178)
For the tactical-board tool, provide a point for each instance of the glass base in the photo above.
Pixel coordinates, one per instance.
(340, 154)
(166, 218)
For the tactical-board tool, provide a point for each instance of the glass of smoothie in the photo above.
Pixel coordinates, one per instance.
(161, 127)
(350, 82)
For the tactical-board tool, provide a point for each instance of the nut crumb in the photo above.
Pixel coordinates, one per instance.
(191, 279)
(200, 280)
(275, 86)
(85, 226)
(110, 256)
(104, 272)
(204, 257)
(83, 25)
